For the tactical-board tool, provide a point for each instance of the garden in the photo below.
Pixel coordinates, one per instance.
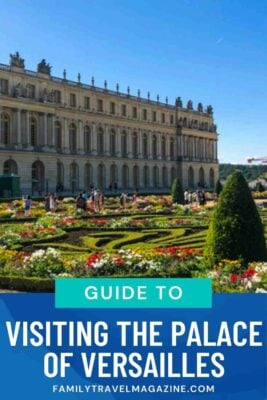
(154, 237)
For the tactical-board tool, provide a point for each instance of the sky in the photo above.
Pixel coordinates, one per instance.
(209, 51)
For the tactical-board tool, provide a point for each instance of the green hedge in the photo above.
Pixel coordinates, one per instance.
(26, 284)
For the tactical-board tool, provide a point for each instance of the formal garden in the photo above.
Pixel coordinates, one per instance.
(152, 237)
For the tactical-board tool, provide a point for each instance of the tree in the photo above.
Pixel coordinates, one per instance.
(218, 187)
(259, 187)
(177, 192)
(236, 230)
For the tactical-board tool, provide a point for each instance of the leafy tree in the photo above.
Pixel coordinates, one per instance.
(236, 230)
(218, 187)
(259, 187)
(177, 192)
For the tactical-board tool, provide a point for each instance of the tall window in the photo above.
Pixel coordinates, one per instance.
(163, 118)
(171, 119)
(124, 144)
(60, 175)
(112, 108)
(5, 128)
(100, 105)
(123, 110)
(112, 143)
(72, 99)
(146, 176)
(10, 167)
(145, 146)
(154, 116)
(74, 177)
(134, 112)
(144, 114)
(88, 176)
(100, 142)
(135, 145)
(3, 86)
(58, 134)
(73, 137)
(87, 139)
(87, 103)
(30, 91)
(163, 147)
(57, 96)
(154, 147)
(172, 148)
(33, 132)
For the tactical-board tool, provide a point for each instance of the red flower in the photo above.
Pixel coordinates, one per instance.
(249, 273)
(234, 278)
(93, 258)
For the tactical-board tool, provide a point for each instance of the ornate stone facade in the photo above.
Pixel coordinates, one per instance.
(56, 133)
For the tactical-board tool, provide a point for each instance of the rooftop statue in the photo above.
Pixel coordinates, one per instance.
(179, 102)
(16, 60)
(209, 110)
(200, 107)
(44, 67)
(189, 105)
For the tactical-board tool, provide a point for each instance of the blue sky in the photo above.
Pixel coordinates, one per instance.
(213, 51)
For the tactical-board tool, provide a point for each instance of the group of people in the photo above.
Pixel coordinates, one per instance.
(93, 201)
(199, 197)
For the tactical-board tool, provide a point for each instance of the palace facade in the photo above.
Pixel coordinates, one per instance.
(65, 135)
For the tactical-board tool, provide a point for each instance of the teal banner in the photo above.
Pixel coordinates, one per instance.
(133, 293)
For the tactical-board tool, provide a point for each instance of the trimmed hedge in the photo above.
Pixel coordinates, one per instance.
(26, 284)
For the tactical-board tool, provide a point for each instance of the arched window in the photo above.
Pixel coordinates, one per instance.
(101, 176)
(163, 147)
(154, 147)
(5, 128)
(171, 148)
(100, 142)
(191, 182)
(155, 177)
(10, 167)
(136, 177)
(146, 176)
(60, 176)
(201, 177)
(38, 177)
(87, 139)
(73, 137)
(113, 143)
(58, 135)
(88, 176)
(113, 175)
(74, 177)
(125, 176)
(33, 132)
(145, 146)
(124, 144)
(164, 177)
(135, 145)
(212, 178)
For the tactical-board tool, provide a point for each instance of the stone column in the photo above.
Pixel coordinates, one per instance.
(149, 145)
(118, 141)
(106, 141)
(129, 143)
(52, 131)
(44, 129)
(66, 136)
(27, 128)
(18, 125)
(167, 146)
(140, 144)
(80, 147)
(216, 149)
(94, 139)
(159, 147)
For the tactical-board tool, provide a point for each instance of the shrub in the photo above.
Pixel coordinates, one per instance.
(218, 187)
(235, 231)
(177, 192)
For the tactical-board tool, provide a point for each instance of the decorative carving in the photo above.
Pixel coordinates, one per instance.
(43, 67)
(189, 105)
(18, 90)
(179, 102)
(64, 74)
(16, 60)
(79, 77)
(148, 95)
(117, 88)
(200, 107)
(209, 110)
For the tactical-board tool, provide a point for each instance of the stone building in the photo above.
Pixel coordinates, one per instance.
(65, 135)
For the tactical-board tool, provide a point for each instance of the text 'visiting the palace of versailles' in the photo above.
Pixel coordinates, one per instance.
(62, 135)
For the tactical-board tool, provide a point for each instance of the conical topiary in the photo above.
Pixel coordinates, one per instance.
(236, 230)
(218, 188)
(177, 192)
